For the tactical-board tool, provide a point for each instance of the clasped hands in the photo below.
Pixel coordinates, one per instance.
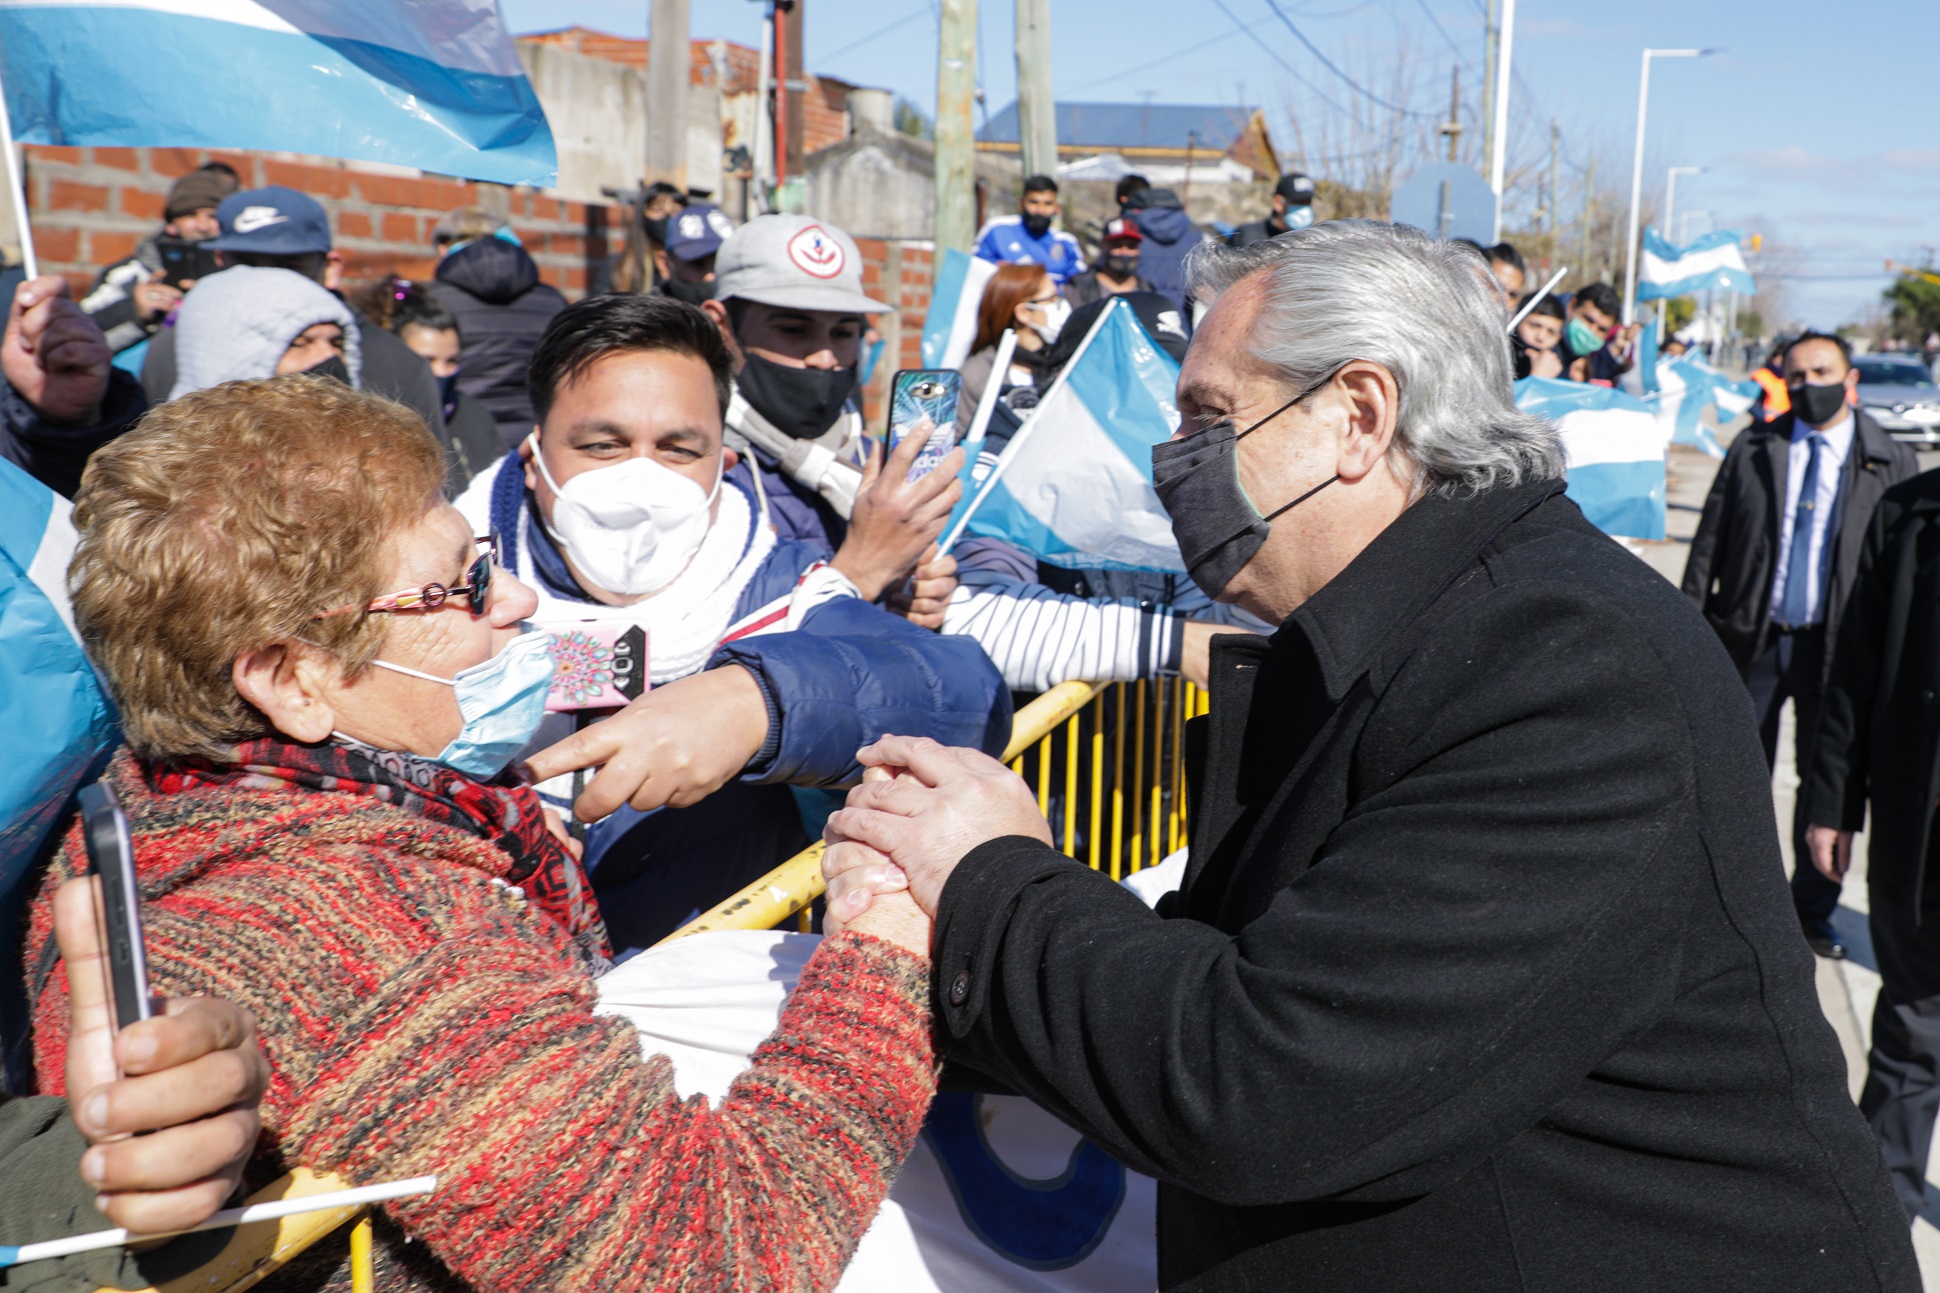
(920, 810)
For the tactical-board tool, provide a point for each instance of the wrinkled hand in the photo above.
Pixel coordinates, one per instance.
(895, 519)
(155, 298)
(675, 746)
(924, 598)
(194, 1077)
(939, 803)
(53, 354)
(1831, 851)
(885, 909)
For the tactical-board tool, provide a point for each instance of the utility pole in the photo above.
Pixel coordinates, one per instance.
(1505, 39)
(796, 84)
(1488, 87)
(667, 77)
(1453, 126)
(1037, 122)
(1589, 212)
(1549, 207)
(781, 24)
(956, 158)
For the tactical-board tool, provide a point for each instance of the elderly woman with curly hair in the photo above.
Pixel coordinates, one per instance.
(322, 677)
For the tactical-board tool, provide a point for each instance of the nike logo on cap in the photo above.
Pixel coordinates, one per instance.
(250, 219)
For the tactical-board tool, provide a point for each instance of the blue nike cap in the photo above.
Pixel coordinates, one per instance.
(274, 221)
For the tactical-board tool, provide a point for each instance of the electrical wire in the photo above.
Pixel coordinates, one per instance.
(1160, 62)
(854, 45)
(1274, 54)
(1328, 63)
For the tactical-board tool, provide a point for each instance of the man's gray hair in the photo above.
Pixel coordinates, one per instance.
(1420, 308)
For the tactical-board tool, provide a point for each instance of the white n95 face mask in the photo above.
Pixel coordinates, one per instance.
(632, 527)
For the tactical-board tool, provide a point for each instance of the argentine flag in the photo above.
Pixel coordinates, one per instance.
(434, 84)
(1074, 485)
(1687, 386)
(1615, 447)
(1713, 261)
(951, 324)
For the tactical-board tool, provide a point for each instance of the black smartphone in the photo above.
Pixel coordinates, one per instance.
(923, 401)
(184, 262)
(112, 858)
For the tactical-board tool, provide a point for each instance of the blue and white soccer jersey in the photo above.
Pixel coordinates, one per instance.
(1006, 241)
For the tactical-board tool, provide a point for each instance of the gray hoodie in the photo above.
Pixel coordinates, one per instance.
(235, 326)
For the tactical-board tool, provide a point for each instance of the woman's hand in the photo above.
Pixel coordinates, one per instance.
(194, 1075)
(937, 804)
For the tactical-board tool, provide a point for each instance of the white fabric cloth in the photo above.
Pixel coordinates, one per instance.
(235, 326)
(706, 1001)
(1832, 464)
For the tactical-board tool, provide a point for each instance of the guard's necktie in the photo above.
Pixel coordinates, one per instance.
(1796, 608)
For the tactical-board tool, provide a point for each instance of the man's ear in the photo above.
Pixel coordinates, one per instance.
(729, 460)
(718, 311)
(284, 681)
(1373, 407)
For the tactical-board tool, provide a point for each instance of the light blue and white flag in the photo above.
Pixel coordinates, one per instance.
(1615, 447)
(57, 718)
(1074, 485)
(1687, 386)
(434, 84)
(1713, 261)
(951, 324)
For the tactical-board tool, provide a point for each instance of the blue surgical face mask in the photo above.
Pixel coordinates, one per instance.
(503, 701)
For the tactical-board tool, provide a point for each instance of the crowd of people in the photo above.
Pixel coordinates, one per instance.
(1483, 884)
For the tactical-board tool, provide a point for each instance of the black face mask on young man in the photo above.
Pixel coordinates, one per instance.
(1197, 479)
(1122, 266)
(1036, 225)
(1819, 404)
(692, 293)
(801, 402)
(332, 367)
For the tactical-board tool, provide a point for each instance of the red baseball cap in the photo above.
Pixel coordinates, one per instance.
(1123, 227)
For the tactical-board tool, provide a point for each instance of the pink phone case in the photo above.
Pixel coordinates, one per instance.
(597, 664)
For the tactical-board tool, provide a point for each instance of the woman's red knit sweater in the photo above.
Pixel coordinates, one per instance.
(422, 1017)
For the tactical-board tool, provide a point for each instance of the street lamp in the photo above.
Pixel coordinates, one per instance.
(1670, 196)
(1637, 175)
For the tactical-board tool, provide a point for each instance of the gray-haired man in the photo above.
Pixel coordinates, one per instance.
(1483, 974)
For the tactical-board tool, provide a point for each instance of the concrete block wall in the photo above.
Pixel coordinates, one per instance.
(90, 206)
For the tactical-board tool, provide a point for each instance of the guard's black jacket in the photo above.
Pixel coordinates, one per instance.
(1879, 727)
(1735, 551)
(1484, 974)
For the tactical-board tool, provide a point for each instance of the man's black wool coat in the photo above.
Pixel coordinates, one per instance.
(1734, 554)
(1879, 729)
(1484, 974)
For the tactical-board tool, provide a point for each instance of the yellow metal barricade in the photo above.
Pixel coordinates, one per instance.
(1106, 762)
(258, 1250)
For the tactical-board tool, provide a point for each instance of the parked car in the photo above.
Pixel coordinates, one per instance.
(1898, 391)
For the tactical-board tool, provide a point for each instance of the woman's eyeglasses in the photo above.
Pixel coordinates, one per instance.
(477, 589)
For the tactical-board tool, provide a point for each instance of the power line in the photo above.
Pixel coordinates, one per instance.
(1329, 65)
(1160, 62)
(854, 45)
(1275, 56)
(1444, 31)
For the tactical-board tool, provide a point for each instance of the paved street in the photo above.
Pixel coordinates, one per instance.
(1846, 988)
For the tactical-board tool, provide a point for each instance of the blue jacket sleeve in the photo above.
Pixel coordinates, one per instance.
(852, 673)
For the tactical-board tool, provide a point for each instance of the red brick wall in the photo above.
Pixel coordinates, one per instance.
(897, 274)
(89, 206)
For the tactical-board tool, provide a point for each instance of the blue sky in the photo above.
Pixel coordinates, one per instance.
(1812, 124)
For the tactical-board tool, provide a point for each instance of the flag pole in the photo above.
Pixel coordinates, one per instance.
(17, 191)
(1535, 297)
(1024, 431)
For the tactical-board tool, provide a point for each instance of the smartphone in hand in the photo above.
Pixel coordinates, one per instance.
(112, 857)
(923, 402)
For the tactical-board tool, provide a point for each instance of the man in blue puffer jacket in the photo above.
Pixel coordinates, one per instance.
(768, 671)
(1169, 235)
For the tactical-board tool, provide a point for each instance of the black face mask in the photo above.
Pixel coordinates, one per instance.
(1197, 479)
(332, 367)
(448, 393)
(692, 293)
(1819, 404)
(656, 229)
(1036, 225)
(1122, 266)
(801, 402)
